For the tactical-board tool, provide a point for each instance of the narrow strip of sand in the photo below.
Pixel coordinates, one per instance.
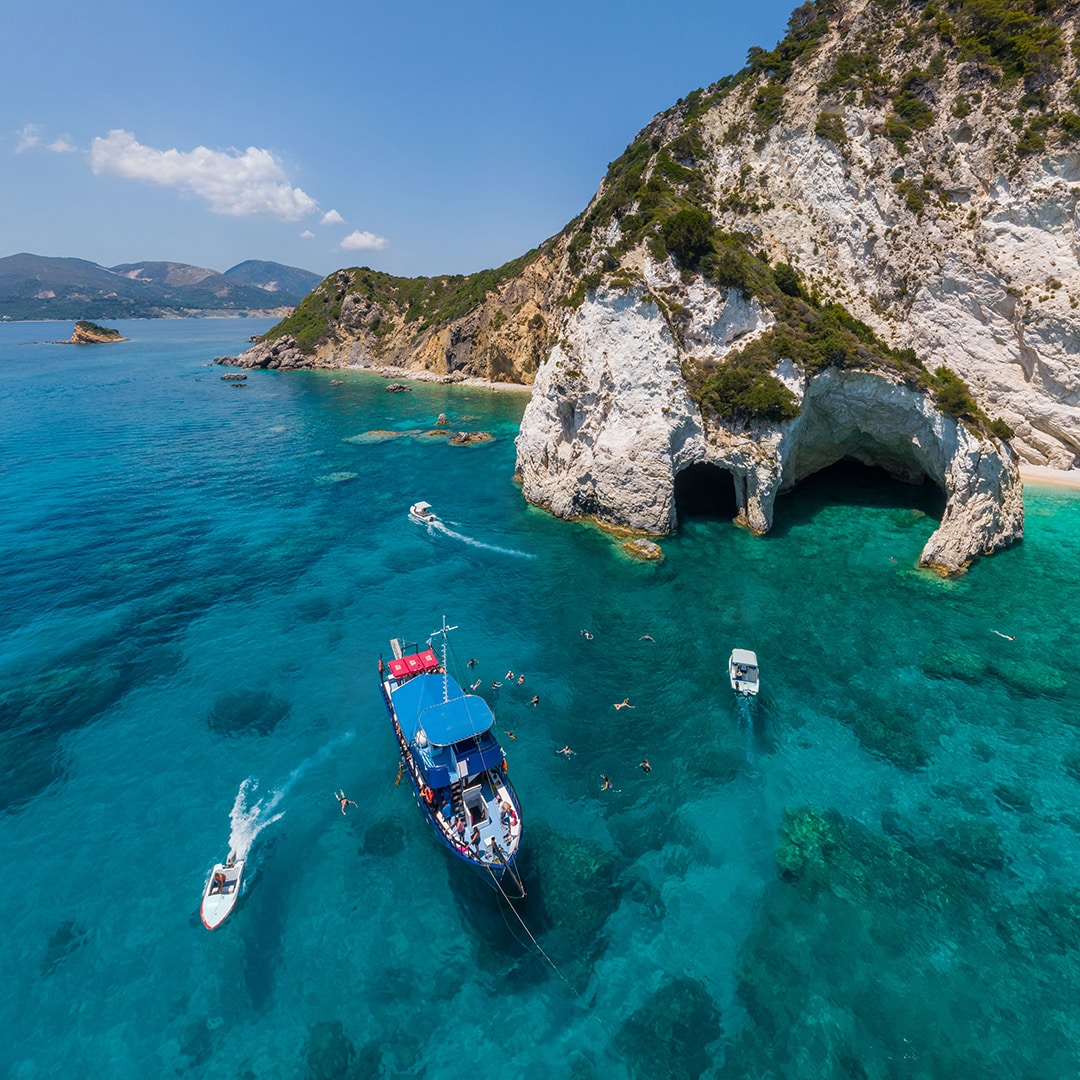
(1043, 474)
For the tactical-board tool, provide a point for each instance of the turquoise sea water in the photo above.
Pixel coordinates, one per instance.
(870, 872)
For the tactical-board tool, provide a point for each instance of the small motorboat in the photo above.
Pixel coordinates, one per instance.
(421, 513)
(743, 671)
(221, 892)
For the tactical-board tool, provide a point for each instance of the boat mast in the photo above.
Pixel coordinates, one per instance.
(444, 631)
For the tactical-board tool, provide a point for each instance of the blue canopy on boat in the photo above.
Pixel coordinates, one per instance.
(419, 704)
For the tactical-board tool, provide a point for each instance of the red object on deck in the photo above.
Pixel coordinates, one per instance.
(414, 665)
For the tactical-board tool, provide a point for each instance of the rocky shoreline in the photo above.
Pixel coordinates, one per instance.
(290, 359)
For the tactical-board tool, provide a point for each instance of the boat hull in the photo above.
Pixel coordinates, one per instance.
(494, 862)
(743, 672)
(220, 893)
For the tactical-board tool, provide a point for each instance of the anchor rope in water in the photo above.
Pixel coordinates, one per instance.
(539, 947)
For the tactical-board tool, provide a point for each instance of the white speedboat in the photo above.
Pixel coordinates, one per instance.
(221, 892)
(421, 513)
(743, 671)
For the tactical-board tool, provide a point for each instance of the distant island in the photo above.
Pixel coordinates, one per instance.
(89, 333)
(43, 287)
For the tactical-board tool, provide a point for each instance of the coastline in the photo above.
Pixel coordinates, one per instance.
(414, 375)
(1045, 475)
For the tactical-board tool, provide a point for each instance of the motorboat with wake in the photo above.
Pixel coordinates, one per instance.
(422, 514)
(454, 763)
(221, 892)
(743, 671)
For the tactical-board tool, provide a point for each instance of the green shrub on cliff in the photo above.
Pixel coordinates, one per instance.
(688, 234)
(743, 391)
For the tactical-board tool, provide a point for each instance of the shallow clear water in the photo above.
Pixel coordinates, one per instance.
(868, 872)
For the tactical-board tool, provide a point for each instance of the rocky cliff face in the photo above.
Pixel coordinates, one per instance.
(780, 269)
(611, 424)
(88, 333)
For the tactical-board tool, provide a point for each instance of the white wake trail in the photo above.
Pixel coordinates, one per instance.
(746, 705)
(250, 815)
(478, 543)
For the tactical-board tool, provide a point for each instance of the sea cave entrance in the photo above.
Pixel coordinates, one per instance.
(705, 492)
(852, 483)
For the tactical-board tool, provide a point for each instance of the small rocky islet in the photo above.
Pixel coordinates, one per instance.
(90, 333)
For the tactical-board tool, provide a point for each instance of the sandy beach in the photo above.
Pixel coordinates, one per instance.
(1043, 474)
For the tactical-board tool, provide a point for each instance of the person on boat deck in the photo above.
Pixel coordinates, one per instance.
(427, 795)
(508, 819)
(459, 827)
(475, 839)
(219, 883)
(447, 806)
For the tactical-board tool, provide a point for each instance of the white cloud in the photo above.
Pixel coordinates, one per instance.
(332, 217)
(62, 144)
(29, 136)
(363, 241)
(307, 234)
(234, 183)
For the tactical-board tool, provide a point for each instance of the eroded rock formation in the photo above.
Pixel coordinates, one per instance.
(611, 423)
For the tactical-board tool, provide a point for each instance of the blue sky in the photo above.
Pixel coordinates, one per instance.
(421, 138)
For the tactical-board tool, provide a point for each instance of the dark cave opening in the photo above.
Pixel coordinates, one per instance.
(851, 483)
(705, 491)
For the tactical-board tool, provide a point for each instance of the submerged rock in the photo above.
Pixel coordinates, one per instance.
(336, 478)
(384, 839)
(669, 1035)
(643, 549)
(461, 438)
(328, 1052)
(66, 939)
(575, 882)
(247, 712)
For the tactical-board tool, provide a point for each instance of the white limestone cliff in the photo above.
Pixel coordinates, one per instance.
(610, 424)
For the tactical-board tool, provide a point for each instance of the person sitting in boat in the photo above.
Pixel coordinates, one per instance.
(218, 883)
(508, 819)
(427, 795)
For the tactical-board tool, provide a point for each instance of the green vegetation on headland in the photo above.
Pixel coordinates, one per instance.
(424, 303)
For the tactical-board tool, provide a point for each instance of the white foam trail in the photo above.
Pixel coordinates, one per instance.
(477, 543)
(250, 815)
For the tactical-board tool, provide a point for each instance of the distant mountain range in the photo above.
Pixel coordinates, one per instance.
(40, 287)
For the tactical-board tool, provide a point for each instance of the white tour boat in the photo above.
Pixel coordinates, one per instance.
(421, 513)
(743, 671)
